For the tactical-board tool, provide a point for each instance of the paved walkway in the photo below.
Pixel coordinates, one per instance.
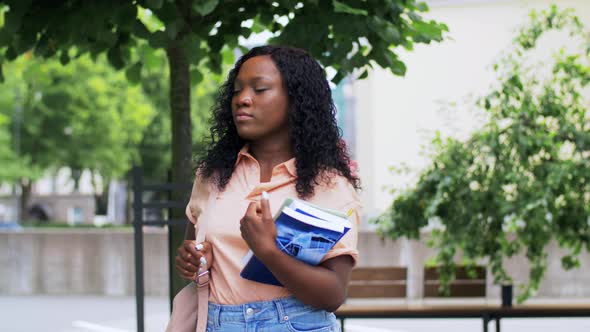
(117, 314)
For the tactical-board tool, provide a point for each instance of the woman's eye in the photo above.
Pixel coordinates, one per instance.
(260, 90)
(236, 91)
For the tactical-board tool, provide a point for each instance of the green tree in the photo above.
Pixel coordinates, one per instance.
(83, 116)
(521, 181)
(347, 35)
(154, 149)
(13, 165)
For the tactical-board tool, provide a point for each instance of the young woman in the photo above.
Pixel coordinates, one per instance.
(274, 131)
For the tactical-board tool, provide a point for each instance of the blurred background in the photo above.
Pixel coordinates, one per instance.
(468, 121)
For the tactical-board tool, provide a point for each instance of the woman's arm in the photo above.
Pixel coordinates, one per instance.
(189, 233)
(322, 286)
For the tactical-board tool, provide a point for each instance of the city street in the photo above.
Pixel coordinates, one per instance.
(117, 314)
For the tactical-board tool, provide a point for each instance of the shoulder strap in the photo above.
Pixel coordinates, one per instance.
(202, 280)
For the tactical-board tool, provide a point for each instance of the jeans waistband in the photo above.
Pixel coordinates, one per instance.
(276, 310)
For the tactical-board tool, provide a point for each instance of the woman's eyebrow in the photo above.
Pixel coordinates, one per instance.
(261, 78)
(253, 79)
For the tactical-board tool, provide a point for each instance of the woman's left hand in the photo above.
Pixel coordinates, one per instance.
(258, 228)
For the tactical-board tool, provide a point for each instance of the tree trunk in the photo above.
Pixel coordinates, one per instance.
(76, 174)
(181, 148)
(25, 187)
(101, 200)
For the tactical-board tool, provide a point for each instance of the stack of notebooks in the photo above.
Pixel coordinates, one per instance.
(305, 232)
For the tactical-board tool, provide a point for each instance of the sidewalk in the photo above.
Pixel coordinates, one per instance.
(117, 314)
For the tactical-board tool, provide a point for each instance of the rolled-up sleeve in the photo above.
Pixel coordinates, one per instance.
(199, 195)
(348, 243)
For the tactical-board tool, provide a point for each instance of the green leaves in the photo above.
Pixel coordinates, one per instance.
(339, 7)
(67, 107)
(338, 33)
(196, 76)
(133, 73)
(115, 58)
(154, 4)
(520, 181)
(205, 7)
(384, 29)
(64, 58)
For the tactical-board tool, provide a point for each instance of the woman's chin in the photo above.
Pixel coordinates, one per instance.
(247, 135)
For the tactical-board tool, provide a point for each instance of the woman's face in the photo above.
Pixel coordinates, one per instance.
(260, 102)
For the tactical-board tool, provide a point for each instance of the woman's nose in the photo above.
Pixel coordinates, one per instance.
(244, 99)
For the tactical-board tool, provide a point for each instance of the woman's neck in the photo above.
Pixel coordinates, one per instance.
(269, 154)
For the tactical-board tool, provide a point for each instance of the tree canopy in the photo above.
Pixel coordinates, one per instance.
(346, 35)
(84, 116)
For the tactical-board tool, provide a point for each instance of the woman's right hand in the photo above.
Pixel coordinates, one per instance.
(188, 258)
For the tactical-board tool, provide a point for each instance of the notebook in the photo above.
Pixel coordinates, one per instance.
(305, 232)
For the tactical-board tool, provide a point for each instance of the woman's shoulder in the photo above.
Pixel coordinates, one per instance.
(335, 191)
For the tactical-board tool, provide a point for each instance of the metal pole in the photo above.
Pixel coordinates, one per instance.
(486, 319)
(170, 247)
(138, 233)
(17, 133)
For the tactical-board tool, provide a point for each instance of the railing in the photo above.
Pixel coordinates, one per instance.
(138, 222)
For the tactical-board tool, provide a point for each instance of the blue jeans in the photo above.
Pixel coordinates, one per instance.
(284, 314)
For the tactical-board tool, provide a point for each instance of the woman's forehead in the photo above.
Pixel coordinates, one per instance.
(260, 67)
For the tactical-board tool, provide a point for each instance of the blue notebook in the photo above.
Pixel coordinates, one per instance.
(304, 231)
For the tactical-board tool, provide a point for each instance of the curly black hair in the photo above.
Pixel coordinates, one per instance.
(315, 137)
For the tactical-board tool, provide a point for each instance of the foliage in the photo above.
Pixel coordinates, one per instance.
(521, 181)
(345, 34)
(154, 149)
(197, 34)
(13, 166)
(83, 115)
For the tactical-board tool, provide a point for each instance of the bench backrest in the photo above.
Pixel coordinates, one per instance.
(462, 286)
(370, 282)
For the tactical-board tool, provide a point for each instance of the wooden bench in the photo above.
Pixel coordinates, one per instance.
(391, 282)
(463, 285)
(485, 311)
(373, 282)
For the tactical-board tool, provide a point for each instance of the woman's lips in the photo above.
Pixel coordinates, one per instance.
(241, 116)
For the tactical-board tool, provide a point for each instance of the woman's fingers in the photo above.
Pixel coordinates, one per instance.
(185, 265)
(191, 253)
(190, 257)
(184, 273)
(252, 211)
(265, 207)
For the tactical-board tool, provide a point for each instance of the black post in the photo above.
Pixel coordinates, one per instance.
(497, 324)
(486, 320)
(171, 270)
(138, 234)
(507, 295)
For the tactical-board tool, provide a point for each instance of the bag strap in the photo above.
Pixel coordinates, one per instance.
(202, 279)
